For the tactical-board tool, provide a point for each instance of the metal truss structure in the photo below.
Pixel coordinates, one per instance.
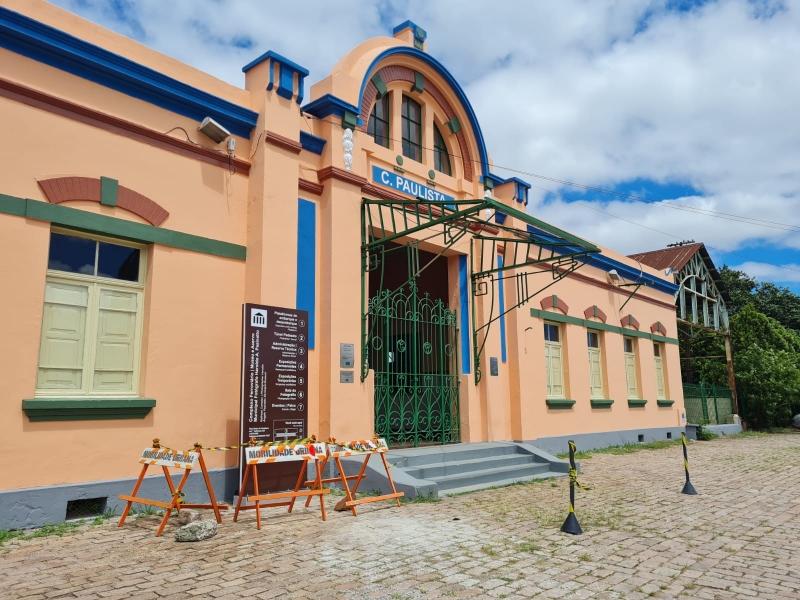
(528, 249)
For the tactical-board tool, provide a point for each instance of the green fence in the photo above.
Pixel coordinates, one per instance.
(707, 404)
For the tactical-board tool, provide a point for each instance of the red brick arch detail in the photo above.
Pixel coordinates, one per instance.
(629, 321)
(594, 312)
(658, 327)
(65, 189)
(554, 301)
(393, 73)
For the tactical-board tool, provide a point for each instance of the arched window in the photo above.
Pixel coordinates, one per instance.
(378, 126)
(412, 129)
(441, 158)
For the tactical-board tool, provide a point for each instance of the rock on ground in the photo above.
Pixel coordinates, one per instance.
(186, 516)
(196, 531)
(796, 421)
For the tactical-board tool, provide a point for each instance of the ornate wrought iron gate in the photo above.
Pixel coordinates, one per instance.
(412, 347)
(410, 340)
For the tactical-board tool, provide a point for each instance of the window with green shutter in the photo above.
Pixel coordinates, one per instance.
(595, 365)
(630, 367)
(661, 385)
(553, 356)
(92, 317)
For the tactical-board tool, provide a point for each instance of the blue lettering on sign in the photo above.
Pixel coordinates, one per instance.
(407, 186)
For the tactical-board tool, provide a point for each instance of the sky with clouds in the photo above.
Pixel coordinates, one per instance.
(678, 118)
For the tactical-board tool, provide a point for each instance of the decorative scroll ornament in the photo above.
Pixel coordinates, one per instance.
(347, 145)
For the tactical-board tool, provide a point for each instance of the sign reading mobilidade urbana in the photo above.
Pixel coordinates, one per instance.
(274, 394)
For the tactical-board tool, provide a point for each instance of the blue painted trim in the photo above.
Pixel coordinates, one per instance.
(463, 291)
(499, 217)
(451, 81)
(312, 143)
(502, 300)
(286, 78)
(277, 58)
(521, 188)
(518, 181)
(492, 180)
(58, 49)
(607, 264)
(329, 104)
(306, 294)
(286, 85)
(631, 273)
(419, 33)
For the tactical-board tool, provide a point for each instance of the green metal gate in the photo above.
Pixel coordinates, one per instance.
(412, 347)
(707, 403)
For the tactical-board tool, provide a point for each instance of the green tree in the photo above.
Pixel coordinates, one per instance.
(739, 287)
(767, 363)
(775, 301)
(780, 303)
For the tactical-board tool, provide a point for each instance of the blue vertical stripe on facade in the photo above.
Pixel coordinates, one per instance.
(463, 284)
(307, 263)
(502, 298)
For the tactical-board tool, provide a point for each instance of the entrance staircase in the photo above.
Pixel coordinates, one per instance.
(456, 468)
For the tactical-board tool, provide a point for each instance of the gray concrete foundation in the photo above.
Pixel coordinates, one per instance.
(594, 441)
(34, 507)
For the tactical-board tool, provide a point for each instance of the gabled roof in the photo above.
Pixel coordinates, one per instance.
(675, 257)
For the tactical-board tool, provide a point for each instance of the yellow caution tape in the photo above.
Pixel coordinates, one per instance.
(250, 444)
(573, 477)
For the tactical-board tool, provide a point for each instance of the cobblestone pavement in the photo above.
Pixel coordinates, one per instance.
(740, 538)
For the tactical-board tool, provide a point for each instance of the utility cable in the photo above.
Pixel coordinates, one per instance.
(621, 195)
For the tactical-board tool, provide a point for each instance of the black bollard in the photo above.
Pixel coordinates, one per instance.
(688, 488)
(571, 524)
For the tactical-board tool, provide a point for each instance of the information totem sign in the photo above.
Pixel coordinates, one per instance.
(274, 394)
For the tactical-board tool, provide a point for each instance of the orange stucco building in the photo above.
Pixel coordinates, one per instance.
(130, 240)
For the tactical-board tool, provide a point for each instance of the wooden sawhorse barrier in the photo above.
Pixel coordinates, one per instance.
(265, 455)
(167, 459)
(350, 501)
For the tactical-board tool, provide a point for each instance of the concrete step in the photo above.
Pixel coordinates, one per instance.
(415, 457)
(489, 476)
(439, 469)
(499, 483)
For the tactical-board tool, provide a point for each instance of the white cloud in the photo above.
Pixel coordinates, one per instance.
(760, 270)
(595, 92)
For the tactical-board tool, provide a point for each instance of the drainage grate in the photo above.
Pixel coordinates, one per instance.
(86, 507)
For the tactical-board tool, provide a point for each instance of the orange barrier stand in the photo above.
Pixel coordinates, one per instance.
(167, 459)
(367, 448)
(258, 455)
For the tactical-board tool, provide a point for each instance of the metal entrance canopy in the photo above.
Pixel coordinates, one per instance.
(537, 249)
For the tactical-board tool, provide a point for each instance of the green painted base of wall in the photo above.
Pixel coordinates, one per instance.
(71, 409)
(559, 403)
(636, 402)
(601, 402)
(662, 402)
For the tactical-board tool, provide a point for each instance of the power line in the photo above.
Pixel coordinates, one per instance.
(775, 225)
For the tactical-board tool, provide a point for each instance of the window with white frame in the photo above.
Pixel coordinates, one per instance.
(661, 384)
(92, 317)
(594, 341)
(553, 358)
(630, 367)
